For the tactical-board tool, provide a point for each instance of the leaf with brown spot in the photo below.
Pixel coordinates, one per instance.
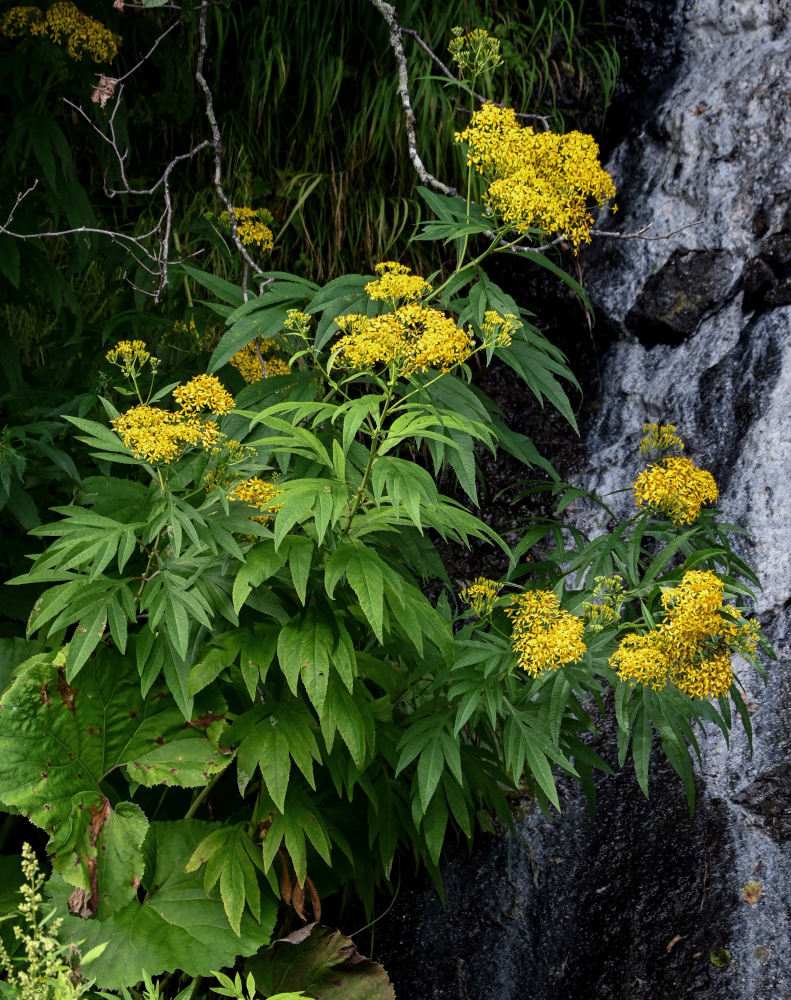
(71, 795)
(752, 892)
(323, 963)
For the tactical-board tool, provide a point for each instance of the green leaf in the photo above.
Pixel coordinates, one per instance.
(59, 744)
(179, 926)
(363, 569)
(323, 963)
(232, 859)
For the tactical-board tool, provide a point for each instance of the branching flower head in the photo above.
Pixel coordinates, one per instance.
(544, 636)
(252, 227)
(131, 356)
(658, 439)
(498, 330)
(476, 52)
(413, 338)
(607, 600)
(481, 595)
(396, 282)
(677, 488)
(537, 180)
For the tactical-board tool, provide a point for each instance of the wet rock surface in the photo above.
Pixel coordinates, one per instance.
(636, 904)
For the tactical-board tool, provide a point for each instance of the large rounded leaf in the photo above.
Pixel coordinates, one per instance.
(179, 925)
(59, 742)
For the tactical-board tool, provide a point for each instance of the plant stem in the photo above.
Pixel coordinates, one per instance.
(196, 803)
(375, 442)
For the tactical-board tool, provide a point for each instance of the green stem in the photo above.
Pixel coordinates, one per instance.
(196, 803)
(376, 441)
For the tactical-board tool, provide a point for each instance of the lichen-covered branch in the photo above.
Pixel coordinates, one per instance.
(388, 13)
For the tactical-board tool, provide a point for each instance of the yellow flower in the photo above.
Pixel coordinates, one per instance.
(204, 392)
(481, 595)
(642, 659)
(66, 26)
(252, 226)
(257, 493)
(153, 434)
(131, 356)
(544, 635)
(660, 439)
(413, 338)
(677, 488)
(249, 364)
(498, 330)
(538, 180)
(692, 647)
(396, 281)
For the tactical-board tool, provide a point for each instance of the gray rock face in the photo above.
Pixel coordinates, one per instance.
(633, 905)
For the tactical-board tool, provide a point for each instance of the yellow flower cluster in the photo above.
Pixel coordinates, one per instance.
(160, 436)
(692, 647)
(66, 26)
(481, 595)
(498, 330)
(248, 363)
(257, 493)
(413, 338)
(131, 356)
(676, 488)
(538, 180)
(476, 52)
(204, 392)
(396, 281)
(660, 439)
(544, 635)
(252, 226)
(298, 323)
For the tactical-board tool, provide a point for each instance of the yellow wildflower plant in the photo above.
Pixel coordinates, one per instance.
(544, 635)
(203, 393)
(265, 362)
(658, 439)
(475, 52)
(252, 227)
(497, 330)
(481, 595)
(537, 180)
(257, 493)
(677, 488)
(66, 26)
(413, 338)
(396, 282)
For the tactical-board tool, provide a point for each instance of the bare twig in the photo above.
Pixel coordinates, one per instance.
(216, 145)
(388, 13)
(638, 234)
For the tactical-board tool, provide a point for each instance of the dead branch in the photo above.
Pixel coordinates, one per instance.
(388, 13)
